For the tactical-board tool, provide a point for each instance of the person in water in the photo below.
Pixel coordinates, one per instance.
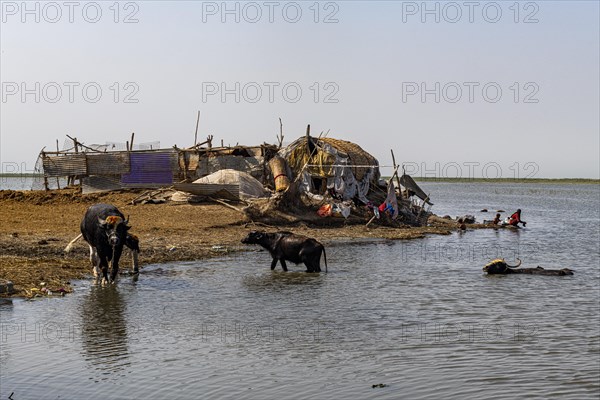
(515, 219)
(496, 220)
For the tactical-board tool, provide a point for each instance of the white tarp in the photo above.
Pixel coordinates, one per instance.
(250, 187)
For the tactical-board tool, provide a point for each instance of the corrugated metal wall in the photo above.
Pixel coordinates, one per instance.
(107, 163)
(147, 169)
(151, 168)
(65, 165)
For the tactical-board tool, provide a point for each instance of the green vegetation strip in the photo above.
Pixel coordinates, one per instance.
(23, 175)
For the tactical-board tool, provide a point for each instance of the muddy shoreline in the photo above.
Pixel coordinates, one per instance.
(37, 225)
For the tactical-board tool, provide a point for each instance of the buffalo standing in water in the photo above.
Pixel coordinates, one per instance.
(286, 246)
(105, 228)
(500, 267)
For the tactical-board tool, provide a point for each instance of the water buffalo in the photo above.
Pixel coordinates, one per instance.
(131, 241)
(500, 267)
(286, 246)
(105, 228)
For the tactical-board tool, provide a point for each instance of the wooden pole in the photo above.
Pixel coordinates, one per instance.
(280, 138)
(308, 139)
(131, 143)
(396, 169)
(371, 220)
(421, 210)
(57, 183)
(77, 145)
(196, 133)
(45, 176)
(226, 205)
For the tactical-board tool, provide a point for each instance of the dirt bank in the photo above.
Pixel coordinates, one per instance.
(37, 225)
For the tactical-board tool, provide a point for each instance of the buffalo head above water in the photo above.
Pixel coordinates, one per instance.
(499, 266)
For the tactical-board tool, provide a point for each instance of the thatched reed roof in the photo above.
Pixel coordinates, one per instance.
(298, 154)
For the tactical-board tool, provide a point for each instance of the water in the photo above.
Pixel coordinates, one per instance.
(17, 182)
(31, 183)
(417, 316)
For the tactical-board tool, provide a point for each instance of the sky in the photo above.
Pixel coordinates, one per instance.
(455, 89)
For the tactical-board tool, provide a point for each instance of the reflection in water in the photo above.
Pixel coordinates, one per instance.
(104, 330)
(282, 280)
(6, 309)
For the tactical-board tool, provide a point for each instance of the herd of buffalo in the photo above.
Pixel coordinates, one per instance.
(106, 230)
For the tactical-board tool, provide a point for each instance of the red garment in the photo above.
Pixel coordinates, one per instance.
(514, 219)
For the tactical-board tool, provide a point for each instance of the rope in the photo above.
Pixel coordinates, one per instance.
(351, 165)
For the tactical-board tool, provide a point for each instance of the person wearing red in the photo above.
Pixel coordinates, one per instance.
(515, 219)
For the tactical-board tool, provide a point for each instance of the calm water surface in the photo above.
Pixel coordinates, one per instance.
(16, 183)
(418, 316)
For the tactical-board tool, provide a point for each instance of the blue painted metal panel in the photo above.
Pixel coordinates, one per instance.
(149, 168)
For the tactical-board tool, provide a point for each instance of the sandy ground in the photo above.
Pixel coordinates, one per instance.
(37, 225)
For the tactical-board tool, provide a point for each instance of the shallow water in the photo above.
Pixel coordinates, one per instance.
(417, 316)
(16, 183)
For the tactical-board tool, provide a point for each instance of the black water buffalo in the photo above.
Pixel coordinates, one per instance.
(500, 267)
(286, 246)
(105, 228)
(131, 241)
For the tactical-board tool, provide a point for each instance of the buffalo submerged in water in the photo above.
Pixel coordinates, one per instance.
(500, 267)
(286, 246)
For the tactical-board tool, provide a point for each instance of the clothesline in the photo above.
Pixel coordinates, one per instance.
(351, 165)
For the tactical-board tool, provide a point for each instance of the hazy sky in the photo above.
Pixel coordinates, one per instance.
(493, 89)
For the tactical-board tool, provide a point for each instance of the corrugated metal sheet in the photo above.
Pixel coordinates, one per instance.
(65, 165)
(97, 184)
(108, 163)
(224, 190)
(410, 184)
(151, 168)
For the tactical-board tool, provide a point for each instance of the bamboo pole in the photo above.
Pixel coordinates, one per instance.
(57, 182)
(196, 132)
(371, 220)
(45, 177)
(396, 169)
(308, 138)
(226, 205)
(280, 138)
(82, 145)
